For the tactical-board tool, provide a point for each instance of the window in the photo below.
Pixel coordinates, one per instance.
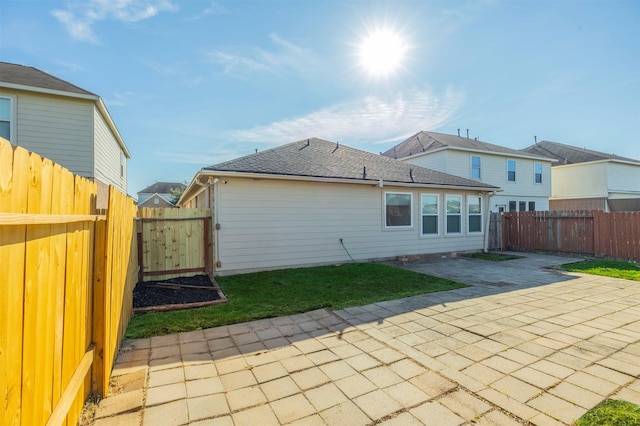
(532, 206)
(511, 170)
(475, 167)
(474, 207)
(523, 206)
(398, 209)
(537, 170)
(512, 206)
(5, 118)
(430, 209)
(156, 201)
(454, 210)
(121, 164)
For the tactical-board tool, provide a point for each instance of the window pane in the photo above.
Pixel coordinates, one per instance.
(398, 208)
(475, 167)
(475, 223)
(453, 224)
(532, 206)
(429, 204)
(453, 204)
(429, 224)
(512, 206)
(523, 206)
(511, 170)
(5, 109)
(4, 129)
(474, 205)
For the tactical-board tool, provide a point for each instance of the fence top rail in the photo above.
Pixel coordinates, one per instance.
(46, 219)
(168, 219)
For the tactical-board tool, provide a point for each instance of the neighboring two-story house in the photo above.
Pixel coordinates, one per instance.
(583, 179)
(160, 194)
(65, 123)
(524, 177)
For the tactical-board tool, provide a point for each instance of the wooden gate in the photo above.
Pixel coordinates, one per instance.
(174, 242)
(495, 231)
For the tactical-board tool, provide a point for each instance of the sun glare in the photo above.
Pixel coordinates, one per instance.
(382, 52)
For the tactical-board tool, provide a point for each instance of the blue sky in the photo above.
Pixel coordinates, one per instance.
(193, 83)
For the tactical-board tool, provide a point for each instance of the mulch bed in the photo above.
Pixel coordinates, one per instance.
(176, 293)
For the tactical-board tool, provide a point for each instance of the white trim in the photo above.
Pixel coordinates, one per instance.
(446, 215)
(480, 151)
(437, 215)
(384, 215)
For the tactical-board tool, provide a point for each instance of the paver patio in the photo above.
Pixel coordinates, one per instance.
(523, 344)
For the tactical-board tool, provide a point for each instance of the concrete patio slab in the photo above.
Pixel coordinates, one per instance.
(524, 344)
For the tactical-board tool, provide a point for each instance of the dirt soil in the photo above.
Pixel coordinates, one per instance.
(174, 291)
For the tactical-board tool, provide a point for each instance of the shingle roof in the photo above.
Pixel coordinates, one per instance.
(567, 154)
(161, 188)
(431, 141)
(323, 159)
(29, 76)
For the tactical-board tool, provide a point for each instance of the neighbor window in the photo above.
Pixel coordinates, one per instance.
(511, 170)
(122, 164)
(398, 209)
(523, 206)
(454, 212)
(475, 167)
(537, 169)
(532, 206)
(512, 206)
(474, 207)
(5, 118)
(429, 209)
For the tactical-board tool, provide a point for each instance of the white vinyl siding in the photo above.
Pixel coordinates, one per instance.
(57, 128)
(109, 156)
(269, 223)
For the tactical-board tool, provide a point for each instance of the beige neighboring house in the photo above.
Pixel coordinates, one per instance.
(159, 195)
(317, 202)
(64, 123)
(525, 178)
(583, 179)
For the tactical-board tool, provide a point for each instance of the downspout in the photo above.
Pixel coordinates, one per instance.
(485, 246)
(216, 224)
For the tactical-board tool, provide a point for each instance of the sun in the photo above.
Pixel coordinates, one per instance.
(382, 52)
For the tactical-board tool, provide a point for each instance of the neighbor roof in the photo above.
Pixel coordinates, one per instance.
(431, 141)
(567, 154)
(317, 158)
(23, 75)
(161, 188)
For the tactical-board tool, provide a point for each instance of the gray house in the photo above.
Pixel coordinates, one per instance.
(317, 202)
(63, 122)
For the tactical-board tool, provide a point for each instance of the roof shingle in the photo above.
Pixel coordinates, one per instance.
(323, 159)
(567, 154)
(29, 76)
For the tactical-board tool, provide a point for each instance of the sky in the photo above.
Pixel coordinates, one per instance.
(194, 83)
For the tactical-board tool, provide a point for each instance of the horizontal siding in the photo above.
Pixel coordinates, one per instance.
(57, 128)
(579, 181)
(623, 177)
(107, 155)
(266, 224)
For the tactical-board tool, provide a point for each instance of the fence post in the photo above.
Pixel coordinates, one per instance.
(99, 321)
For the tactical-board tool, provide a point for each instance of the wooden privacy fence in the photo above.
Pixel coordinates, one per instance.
(65, 288)
(174, 242)
(614, 235)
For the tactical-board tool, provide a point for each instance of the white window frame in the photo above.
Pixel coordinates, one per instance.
(12, 121)
(469, 214)
(515, 178)
(446, 213)
(437, 215)
(535, 173)
(384, 216)
(479, 167)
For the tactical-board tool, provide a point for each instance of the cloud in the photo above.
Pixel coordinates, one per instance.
(213, 9)
(79, 16)
(363, 121)
(286, 57)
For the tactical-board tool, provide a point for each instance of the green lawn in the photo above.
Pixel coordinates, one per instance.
(290, 291)
(611, 413)
(607, 268)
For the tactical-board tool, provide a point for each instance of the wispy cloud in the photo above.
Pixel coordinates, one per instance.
(363, 121)
(286, 57)
(79, 16)
(213, 9)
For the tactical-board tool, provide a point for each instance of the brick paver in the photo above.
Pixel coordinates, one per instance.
(538, 346)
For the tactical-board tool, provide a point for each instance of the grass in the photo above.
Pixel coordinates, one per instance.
(290, 291)
(611, 413)
(607, 268)
(494, 257)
